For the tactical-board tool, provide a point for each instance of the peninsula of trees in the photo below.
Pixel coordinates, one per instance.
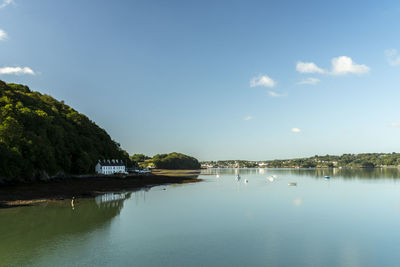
(171, 161)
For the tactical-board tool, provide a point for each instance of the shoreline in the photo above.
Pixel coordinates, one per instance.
(341, 167)
(66, 188)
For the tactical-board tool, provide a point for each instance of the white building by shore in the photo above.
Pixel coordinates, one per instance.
(110, 167)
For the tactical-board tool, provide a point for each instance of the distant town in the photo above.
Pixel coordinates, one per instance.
(364, 160)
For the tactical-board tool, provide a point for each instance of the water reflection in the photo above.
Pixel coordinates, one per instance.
(53, 222)
(316, 223)
(110, 199)
(346, 173)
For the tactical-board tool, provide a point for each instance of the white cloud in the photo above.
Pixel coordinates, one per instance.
(308, 67)
(343, 65)
(340, 66)
(262, 80)
(3, 35)
(296, 130)
(16, 71)
(6, 3)
(248, 118)
(392, 57)
(275, 94)
(309, 81)
(395, 124)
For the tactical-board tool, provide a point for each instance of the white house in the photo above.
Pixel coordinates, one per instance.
(110, 167)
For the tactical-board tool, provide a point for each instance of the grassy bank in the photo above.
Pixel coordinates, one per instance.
(177, 173)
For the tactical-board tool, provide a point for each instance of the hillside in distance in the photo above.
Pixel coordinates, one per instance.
(362, 160)
(42, 136)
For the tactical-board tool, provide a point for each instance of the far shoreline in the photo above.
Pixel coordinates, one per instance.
(355, 167)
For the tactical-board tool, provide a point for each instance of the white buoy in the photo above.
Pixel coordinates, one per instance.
(246, 181)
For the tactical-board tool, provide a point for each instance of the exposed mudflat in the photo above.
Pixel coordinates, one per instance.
(58, 189)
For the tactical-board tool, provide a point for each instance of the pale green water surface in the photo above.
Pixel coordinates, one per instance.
(352, 219)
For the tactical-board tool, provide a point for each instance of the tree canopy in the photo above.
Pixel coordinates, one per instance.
(139, 157)
(175, 161)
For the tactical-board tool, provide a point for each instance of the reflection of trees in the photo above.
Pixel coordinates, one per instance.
(350, 173)
(25, 229)
(233, 171)
(347, 173)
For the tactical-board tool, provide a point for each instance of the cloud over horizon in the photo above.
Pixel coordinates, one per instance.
(308, 67)
(247, 118)
(275, 94)
(16, 71)
(262, 80)
(6, 3)
(296, 130)
(3, 35)
(341, 65)
(392, 57)
(309, 80)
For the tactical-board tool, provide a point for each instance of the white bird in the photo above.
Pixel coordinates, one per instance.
(217, 175)
(246, 181)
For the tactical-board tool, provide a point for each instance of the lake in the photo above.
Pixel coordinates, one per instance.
(351, 219)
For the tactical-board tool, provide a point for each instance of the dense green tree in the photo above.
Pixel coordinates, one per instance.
(139, 157)
(175, 161)
(39, 134)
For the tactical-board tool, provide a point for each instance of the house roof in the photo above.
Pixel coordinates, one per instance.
(111, 163)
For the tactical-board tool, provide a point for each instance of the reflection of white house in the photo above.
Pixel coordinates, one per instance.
(110, 167)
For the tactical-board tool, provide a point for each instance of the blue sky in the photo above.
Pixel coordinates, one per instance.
(216, 79)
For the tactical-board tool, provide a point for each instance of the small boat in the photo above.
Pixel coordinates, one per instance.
(292, 184)
(327, 177)
(238, 177)
(271, 179)
(217, 175)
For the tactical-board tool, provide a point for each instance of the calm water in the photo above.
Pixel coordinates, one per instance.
(353, 219)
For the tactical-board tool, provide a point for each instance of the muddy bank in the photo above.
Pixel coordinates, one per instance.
(58, 189)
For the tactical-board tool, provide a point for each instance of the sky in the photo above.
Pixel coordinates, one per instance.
(253, 80)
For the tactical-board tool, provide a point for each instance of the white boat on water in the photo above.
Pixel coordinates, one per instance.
(292, 184)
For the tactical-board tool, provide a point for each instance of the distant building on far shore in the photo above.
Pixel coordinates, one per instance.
(110, 167)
